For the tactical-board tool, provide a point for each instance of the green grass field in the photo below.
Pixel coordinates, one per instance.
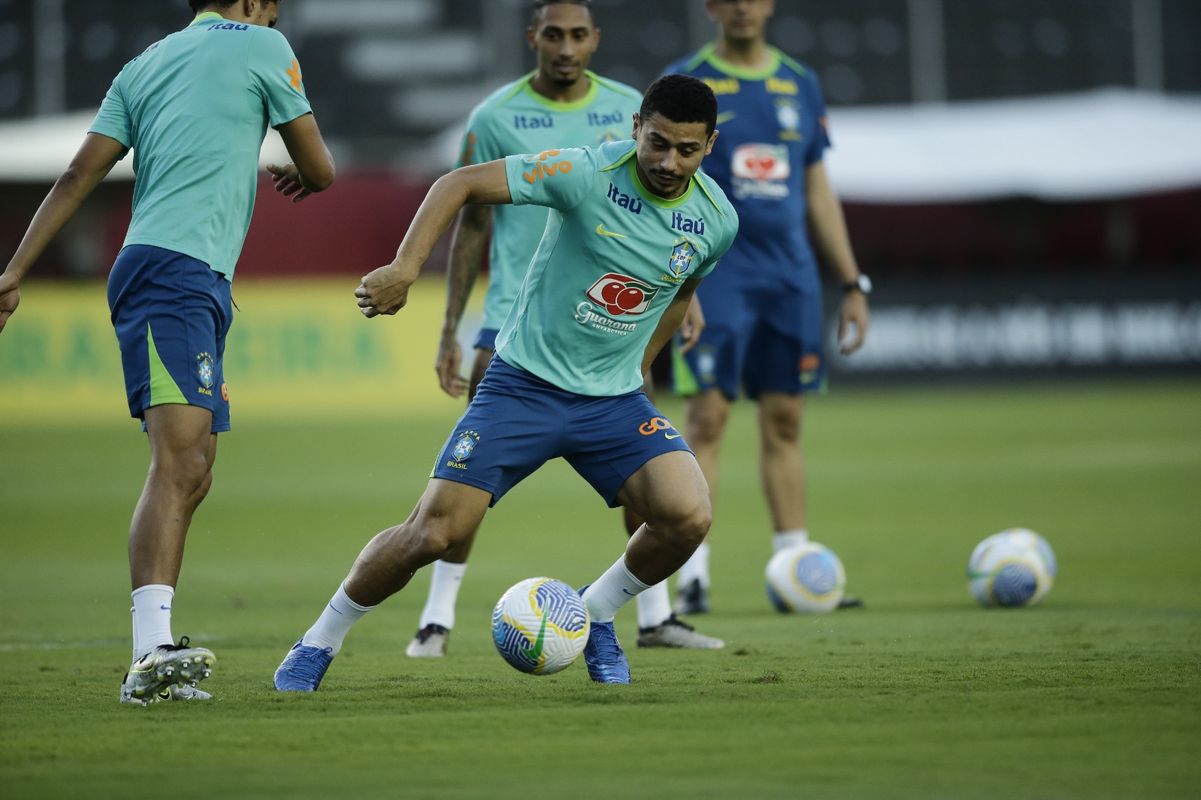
(1094, 694)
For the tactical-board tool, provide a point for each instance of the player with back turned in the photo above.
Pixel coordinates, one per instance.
(560, 104)
(194, 108)
(633, 227)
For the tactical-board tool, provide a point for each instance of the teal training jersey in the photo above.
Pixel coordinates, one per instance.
(194, 107)
(514, 120)
(612, 257)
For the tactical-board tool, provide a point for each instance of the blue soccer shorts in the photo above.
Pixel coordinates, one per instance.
(171, 313)
(517, 422)
(762, 340)
(486, 339)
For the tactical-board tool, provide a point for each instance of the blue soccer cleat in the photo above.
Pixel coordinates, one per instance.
(603, 654)
(303, 668)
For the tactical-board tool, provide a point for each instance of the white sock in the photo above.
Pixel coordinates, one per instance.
(444, 590)
(790, 538)
(151, 617)
(335, 621)
(696, 568)
(654, 606)
(611, 591)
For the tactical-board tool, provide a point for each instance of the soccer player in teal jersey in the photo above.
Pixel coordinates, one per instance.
(764, 311)
(633, 227)
(194, 108)
(560, 104)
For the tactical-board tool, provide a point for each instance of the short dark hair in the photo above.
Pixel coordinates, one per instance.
(536, 11)
(200, 5)
(681, 98)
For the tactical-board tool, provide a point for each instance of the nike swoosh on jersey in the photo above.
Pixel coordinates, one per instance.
(670, 436)
(600, 229)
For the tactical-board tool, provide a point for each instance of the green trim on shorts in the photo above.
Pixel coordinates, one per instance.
(163, 388)
(683, 381)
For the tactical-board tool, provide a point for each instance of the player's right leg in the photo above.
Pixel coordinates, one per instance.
(446, 575)
(171, 314)
(446, 513)
(501, 439)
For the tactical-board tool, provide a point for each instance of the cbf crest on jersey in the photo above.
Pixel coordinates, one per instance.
(681, 258)
(788, 114)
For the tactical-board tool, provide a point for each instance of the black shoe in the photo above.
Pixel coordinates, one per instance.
(850, 602)
(691, 598)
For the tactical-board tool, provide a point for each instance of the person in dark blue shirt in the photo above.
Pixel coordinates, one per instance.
(763, 309)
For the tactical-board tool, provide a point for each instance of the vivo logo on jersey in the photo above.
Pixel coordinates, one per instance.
(229, 26)
(523, 123)
(620, 198)
(600, 120)
(686, 224)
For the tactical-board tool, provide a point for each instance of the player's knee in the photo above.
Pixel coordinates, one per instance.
(706, 423)
(780, 426)
(437, 535)
(202, 490)
(187, 470)
(688, 522)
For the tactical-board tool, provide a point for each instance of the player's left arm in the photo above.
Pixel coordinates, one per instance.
(670, 322)
(386, 289)
(92, 162)
(693, 324)
(829, 229)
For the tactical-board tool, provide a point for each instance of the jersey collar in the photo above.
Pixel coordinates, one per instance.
(709, 52)
(206, 16)
(555, 105)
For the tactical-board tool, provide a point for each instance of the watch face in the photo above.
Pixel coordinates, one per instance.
(865, 284)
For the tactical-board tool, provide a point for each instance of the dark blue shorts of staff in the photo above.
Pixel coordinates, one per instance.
(517, 422)
(764, 340)
(171, 314)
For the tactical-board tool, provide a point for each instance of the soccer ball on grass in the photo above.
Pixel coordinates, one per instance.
(1013, 568)
(806, 579)
(540, 626)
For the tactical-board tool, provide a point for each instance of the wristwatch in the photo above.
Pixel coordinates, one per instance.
(862, 284)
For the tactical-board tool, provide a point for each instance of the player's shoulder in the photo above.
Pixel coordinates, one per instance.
(797, 70)
(715, 197)
(611, 87)
(267, 40)
(496, 102)
(611, 155)
(690, 64)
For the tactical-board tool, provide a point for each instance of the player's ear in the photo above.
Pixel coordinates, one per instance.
(711, 142)
(637, 120)
(530, 36)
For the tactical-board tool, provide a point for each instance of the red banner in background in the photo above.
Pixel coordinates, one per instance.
(355, 227)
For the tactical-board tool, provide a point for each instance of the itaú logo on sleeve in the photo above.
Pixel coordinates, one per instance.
(621, 295)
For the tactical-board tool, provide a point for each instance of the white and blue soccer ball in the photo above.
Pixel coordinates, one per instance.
(540, 626)
(805, 579)
(1013, 568)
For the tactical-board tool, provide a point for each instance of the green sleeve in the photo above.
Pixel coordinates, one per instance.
(557, 179)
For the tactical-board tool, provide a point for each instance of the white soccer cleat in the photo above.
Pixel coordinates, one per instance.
(166, 667)
(430, 642)
(673, 632)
